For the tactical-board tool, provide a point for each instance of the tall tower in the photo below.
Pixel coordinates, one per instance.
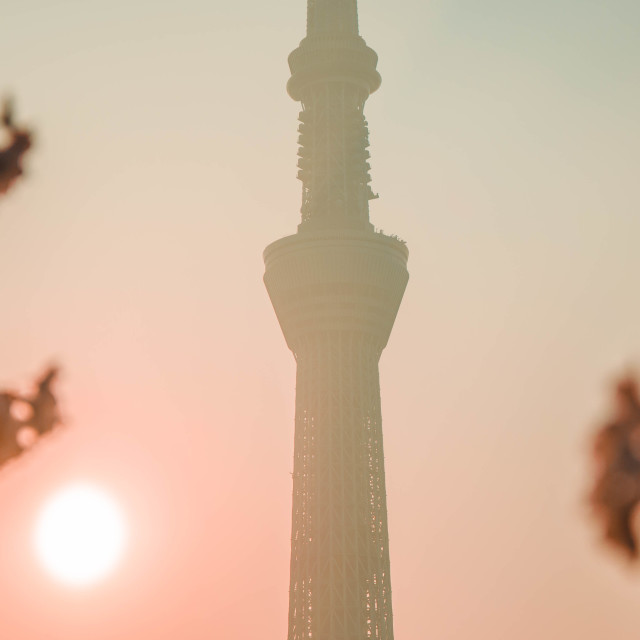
(336, 286)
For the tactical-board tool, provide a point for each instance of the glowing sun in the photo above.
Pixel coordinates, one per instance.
(80, 535)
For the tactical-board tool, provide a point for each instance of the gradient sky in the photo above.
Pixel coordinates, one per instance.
(506, 149)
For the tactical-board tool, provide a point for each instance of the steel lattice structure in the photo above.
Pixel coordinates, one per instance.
(336, 286)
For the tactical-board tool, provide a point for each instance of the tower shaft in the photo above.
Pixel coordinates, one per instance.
(333, 157)
(336, 286)
(339, 548)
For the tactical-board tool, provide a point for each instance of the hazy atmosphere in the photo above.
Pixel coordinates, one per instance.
(505, 147)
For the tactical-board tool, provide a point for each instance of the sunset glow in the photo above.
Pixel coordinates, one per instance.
(80, 535)
(505, 148)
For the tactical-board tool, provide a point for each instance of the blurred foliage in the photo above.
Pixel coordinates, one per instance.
(616, 493)
(24, 419)
(11, 156)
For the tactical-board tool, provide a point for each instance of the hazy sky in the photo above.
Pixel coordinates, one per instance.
(506, 149)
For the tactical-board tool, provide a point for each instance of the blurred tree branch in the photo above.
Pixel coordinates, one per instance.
(40, 409)
(20, 141)
(616, 493)
(17, 433)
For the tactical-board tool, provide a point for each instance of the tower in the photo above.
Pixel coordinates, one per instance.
(336, 286)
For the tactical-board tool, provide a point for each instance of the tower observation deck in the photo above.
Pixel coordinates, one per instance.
(336, 287)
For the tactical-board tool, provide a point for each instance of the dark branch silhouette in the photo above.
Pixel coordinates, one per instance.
(11, 156)
(42, 405)
(43, 418)
(616, 493)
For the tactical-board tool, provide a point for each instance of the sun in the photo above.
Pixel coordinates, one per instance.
(80, 535)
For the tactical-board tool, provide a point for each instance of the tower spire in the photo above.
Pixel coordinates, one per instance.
(333, 72)
(332, 16)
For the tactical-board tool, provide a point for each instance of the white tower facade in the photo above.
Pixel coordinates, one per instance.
(336, 286)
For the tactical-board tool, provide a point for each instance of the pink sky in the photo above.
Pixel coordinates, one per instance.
(505, 149)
